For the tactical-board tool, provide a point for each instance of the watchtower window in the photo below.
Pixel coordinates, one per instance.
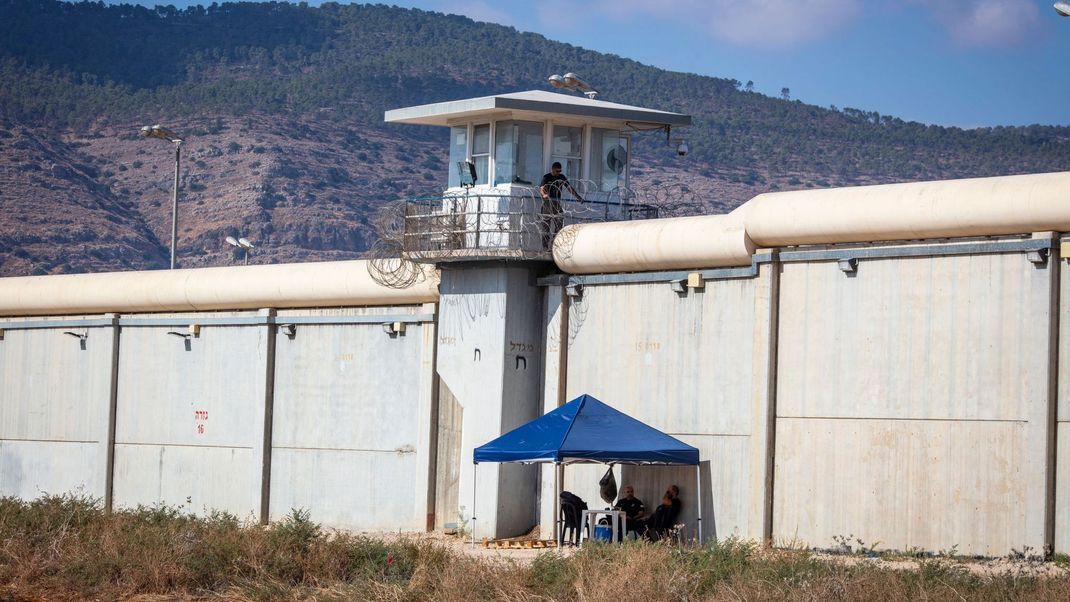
(458, 152)
(518, 152)
(568, 150)
(481, 152)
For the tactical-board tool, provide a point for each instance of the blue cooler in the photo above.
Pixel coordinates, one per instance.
(603, 533)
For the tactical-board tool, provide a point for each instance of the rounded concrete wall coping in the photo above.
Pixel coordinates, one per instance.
(326, 284)
(889, 212)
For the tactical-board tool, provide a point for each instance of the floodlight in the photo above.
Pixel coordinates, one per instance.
(571, 81)
(1063, 8)
(394, 328)
(241, 243)
(1038, 257)
(159, 131)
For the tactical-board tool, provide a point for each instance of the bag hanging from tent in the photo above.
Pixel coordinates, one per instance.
(607, 486)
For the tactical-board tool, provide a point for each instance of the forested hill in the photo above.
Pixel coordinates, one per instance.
(291, 97)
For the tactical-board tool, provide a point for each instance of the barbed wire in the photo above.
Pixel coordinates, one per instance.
(387, 264)
(516, 223)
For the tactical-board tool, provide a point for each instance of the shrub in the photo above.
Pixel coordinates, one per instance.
(67, 547)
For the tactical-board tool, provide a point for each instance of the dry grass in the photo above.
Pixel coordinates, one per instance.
(67, 548)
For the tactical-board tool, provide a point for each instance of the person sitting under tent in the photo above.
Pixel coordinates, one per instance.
(634, 510)
(664, 518)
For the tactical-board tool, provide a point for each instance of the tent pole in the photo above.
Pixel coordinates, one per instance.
(557, 503)
(698, 488)
(475, 481)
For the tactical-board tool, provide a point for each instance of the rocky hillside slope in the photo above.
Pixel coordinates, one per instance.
(281, 106)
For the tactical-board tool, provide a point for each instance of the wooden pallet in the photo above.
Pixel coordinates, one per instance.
(518, 544)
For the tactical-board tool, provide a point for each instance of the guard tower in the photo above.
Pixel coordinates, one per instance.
(492, 220)
(500, 147)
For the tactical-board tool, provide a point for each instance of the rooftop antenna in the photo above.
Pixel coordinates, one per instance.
(571, 81)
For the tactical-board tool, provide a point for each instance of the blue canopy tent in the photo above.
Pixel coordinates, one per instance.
(585, 430)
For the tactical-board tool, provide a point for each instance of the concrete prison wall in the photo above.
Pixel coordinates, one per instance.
(908, 392)
(914, 403)
(901, 393)
(249, 412)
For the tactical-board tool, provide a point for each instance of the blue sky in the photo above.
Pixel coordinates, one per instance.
(949, 62)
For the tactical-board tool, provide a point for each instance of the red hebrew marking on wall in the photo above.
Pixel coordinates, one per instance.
(199, 418)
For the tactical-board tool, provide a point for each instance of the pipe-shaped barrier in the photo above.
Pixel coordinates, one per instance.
(325, 284)
(888, 212)
(681, 242)
(941, 209)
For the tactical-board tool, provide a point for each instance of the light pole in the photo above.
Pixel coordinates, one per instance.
(158, 131)
(241, 243)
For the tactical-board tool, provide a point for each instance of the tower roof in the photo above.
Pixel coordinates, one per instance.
(536, 103)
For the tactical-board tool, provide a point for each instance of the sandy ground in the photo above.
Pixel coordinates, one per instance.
(986, 567)
(981, 567)
(465, 546)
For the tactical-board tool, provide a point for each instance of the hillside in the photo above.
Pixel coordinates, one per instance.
(282, 109)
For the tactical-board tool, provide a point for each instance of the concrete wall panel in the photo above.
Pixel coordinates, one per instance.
(934, 338)
(695, 366)
(347, 387)
(681, 364)
(197, 479)
(348, 489)
(913, 403)
(555, 359)
(521, 394)
(201, 406)
(350, 413)
(448, 458)
(1062, 489)
(30, 469)
(1062, 445)
(54, 400)
(898, 484)
(471, 343)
